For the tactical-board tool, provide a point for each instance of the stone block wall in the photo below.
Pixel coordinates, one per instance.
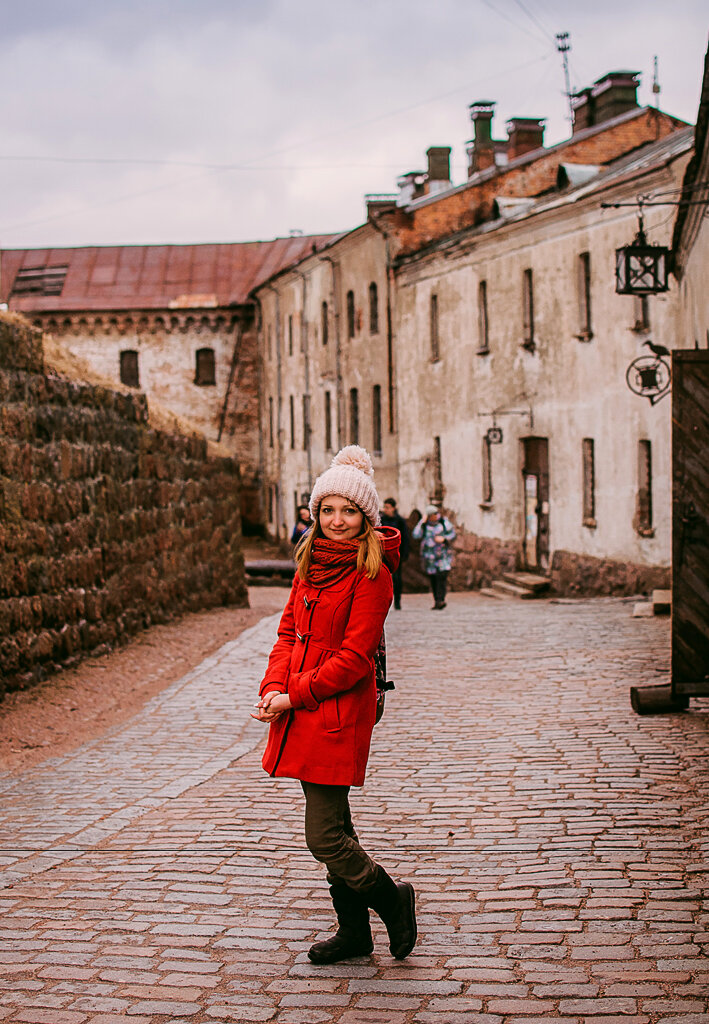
(106, 525)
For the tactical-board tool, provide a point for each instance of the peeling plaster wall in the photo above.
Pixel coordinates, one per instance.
(574, 388)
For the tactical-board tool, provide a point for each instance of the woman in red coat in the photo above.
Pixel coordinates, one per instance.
(319, 697)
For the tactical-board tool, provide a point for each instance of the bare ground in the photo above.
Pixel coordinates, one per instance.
(80, 704)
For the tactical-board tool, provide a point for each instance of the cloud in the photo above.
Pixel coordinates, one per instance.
(350, 91)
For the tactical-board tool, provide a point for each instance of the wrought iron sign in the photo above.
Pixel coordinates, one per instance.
(650, 377)
(494, 435)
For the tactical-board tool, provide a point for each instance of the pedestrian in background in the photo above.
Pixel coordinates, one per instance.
(319, 698)
(302, 523)
(436, 534)
(390, 517)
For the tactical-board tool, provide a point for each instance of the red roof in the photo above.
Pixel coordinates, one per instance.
(150, 276)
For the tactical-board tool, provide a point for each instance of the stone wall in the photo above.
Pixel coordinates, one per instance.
(578, 575)
(106, 525)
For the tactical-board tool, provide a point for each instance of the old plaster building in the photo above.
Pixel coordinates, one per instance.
(174, 321)
(496, 309)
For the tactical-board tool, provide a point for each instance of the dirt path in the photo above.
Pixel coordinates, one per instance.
(80, 704)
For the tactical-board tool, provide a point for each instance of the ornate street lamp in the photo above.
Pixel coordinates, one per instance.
(641, 269)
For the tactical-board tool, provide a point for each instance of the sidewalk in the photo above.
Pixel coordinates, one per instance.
(556, 840)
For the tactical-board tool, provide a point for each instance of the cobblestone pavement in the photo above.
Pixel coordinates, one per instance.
(556, 841)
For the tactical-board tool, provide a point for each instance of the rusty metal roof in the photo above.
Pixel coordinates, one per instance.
(145, 276)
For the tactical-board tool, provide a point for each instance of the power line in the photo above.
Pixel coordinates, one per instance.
(534, 19)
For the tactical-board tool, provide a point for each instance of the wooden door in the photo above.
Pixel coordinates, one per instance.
(690, 522)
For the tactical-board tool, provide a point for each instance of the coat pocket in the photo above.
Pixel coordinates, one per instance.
(331, 714)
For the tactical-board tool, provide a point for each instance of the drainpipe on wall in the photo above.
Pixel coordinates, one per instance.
(304, 344)
(259, 384)
(391, 383)
(279, 412)
(339, 390)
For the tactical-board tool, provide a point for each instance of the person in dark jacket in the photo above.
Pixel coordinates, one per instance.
(390, 517)
(319, 698)
(302, 523)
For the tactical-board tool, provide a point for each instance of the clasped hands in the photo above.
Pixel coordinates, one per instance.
(271, 705)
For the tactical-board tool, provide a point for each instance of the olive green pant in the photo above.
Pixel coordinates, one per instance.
(331, 837)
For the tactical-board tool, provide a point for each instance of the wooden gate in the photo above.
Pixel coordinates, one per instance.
(690, 523)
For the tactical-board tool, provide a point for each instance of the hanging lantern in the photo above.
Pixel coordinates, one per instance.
(641, 269)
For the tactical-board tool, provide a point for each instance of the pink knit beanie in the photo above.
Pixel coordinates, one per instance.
(350, 475)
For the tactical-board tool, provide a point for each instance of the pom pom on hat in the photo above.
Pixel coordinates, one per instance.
(351, 475)
(355, 456)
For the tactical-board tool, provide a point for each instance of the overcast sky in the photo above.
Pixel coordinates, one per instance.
(149, 121)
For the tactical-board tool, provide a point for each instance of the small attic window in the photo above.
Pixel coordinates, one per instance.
(39, 280)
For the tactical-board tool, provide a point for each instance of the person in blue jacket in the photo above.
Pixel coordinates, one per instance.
(436, 534)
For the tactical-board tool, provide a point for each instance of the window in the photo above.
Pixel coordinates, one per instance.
(642, 313)
(41, 281)
(292, 421)
(324, 322)
(377, 419)
(373, 309)
(486, 472)
(328, 422)
(437, 495)
(269, 342)
(643, 515)
(584, 294)
(354, 416)
(129, 368)
(290, 334)
(204, 373)
(483, 334)
(435, 346)
(589, 482)
(270, 423)
(350, 315)
(271, 503)
(528, 310)
(306, 422)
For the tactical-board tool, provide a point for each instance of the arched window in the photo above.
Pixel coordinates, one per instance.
(204, 373)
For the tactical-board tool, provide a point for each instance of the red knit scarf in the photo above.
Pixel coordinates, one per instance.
(331, 561)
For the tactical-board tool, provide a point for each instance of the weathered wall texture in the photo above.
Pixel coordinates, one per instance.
(167, 343)
(320, 354)
(106, 525)
(569, 387)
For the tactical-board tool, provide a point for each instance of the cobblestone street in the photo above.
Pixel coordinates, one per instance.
(557, 842)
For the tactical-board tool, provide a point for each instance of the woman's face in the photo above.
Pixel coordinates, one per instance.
(340, 519)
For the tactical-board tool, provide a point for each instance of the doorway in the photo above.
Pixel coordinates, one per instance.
(535, 476)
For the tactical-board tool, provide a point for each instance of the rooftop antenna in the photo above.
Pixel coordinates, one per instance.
(563, 45)
(655, 84)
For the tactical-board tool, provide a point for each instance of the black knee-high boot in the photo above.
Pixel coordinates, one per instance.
(395, 902)
(353, 936)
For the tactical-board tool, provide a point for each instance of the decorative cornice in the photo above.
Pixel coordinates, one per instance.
(154, 322)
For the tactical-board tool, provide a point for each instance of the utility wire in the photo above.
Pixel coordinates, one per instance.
(250, 165)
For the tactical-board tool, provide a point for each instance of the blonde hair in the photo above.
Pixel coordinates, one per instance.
(369, 552)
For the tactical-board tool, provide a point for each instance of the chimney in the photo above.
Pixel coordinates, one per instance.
(481, 151)
(411, 186)
(524, 134)
(608, 97)
(439, 168)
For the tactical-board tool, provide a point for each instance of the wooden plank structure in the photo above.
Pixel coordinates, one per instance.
(690, 539)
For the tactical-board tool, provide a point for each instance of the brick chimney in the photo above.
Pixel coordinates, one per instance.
(608, 97)
(524, 134)
(481, 151)
(439, 169)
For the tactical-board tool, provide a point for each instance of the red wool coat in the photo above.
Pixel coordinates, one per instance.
(323, 660)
